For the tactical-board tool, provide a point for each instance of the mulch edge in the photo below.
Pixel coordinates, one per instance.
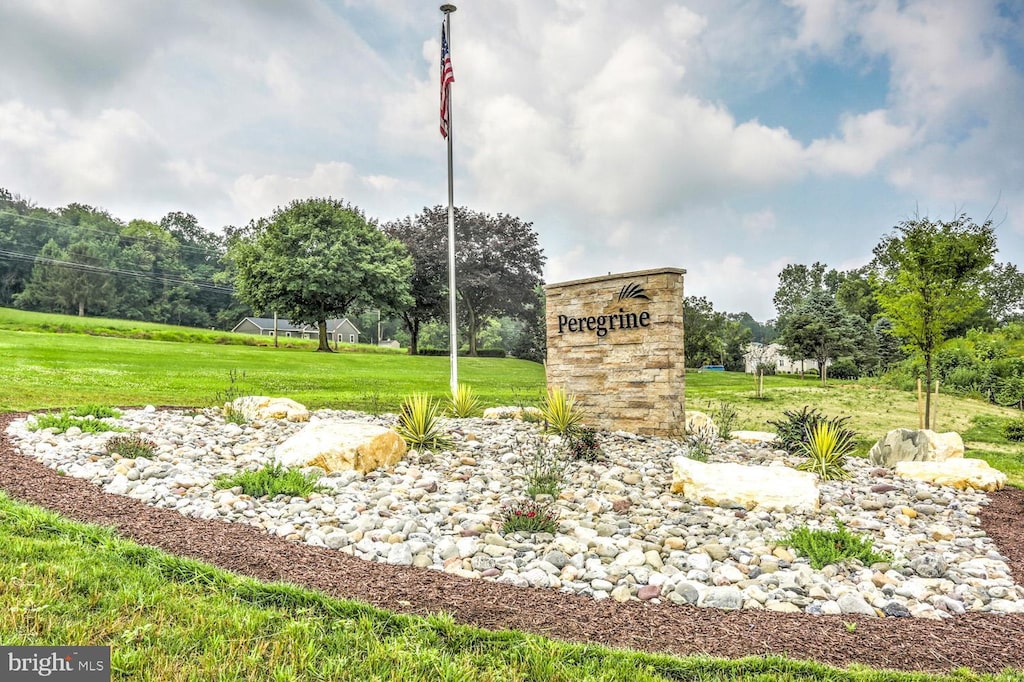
(982, 642)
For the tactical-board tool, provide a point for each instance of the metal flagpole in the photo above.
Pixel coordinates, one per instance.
(453, 335)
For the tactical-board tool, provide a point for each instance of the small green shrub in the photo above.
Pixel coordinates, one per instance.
(225, 398)
(583, 445)
(270, 481)
(419, 423)
(794, 428)
(1013, 430)
(827, 448)
(724, 416)
(464, 403)
(561, 413)
(824, 547)
(700, 445)
(528, 516)
(131, 446)
(546, 473)
(97, 411)
(844, 369)
(64, 421)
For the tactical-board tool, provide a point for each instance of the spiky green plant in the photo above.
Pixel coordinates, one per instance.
(464, 403)
(561, 412)
(419, 423)
(827, 446)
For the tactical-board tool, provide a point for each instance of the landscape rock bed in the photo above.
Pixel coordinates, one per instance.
(622, 534)
(982, 642)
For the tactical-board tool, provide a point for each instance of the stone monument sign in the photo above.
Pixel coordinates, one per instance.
(616, 342)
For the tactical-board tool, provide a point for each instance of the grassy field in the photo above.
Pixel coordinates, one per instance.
(168, 618)
(174, 619)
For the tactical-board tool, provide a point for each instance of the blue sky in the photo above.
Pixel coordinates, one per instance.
(726, 138)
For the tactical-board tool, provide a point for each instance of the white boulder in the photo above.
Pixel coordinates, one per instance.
(341, 446)
(960, 473)
(513, 412)
(264, 407)
(916, 445)
(754, 437)
(772, 488)
(699, 423)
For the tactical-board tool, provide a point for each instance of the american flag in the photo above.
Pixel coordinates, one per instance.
(447, 78)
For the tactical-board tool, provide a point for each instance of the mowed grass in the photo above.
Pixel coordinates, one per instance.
(43, 370)
(170, 618)
(873, 409)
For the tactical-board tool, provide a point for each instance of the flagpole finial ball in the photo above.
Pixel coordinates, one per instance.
(447, 8)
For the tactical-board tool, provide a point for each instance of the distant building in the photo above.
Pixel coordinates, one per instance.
(772, 354)
(338, 331)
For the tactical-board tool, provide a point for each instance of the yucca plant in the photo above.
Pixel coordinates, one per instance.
(419, 423)
(561, 413)
(464, 403)
(827, 446)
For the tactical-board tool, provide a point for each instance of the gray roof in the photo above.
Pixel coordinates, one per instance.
(283, 325)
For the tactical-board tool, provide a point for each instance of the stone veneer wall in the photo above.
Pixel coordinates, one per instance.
(630, 379)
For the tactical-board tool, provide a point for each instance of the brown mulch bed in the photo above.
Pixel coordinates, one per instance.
(982, 642)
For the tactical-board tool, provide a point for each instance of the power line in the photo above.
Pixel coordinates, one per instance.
(133, 274)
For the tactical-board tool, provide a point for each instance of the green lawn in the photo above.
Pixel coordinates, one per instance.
(46, 370)
(168, 618)
(174, 619)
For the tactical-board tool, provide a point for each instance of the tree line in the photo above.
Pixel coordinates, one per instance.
(929, 281)
(310, 261)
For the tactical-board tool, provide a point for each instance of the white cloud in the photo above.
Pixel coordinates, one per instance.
(258, 196)
(867, 139)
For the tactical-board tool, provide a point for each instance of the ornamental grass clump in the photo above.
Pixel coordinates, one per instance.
(463, 403)
(546, 474)
(824, 547)
(561, 413)
(827, 447)
(419, 423)
(131, 446)
(528, 516)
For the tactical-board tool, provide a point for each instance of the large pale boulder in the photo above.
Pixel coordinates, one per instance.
(700, 423)
(754, 437)
(513, 412)
(916, 445)
(341, 446)
(774, 488)
(959, 473)
(264, 407)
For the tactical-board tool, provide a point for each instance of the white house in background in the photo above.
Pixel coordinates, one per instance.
(772, 354)
(338, 331)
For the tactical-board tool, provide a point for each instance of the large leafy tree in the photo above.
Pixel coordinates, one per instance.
(705, 332)
(797, 281)
(1004, 293)
(930, 276)
(430, 271)
(819, 328)
(72, 280)
(498, 263)
(317, 259)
